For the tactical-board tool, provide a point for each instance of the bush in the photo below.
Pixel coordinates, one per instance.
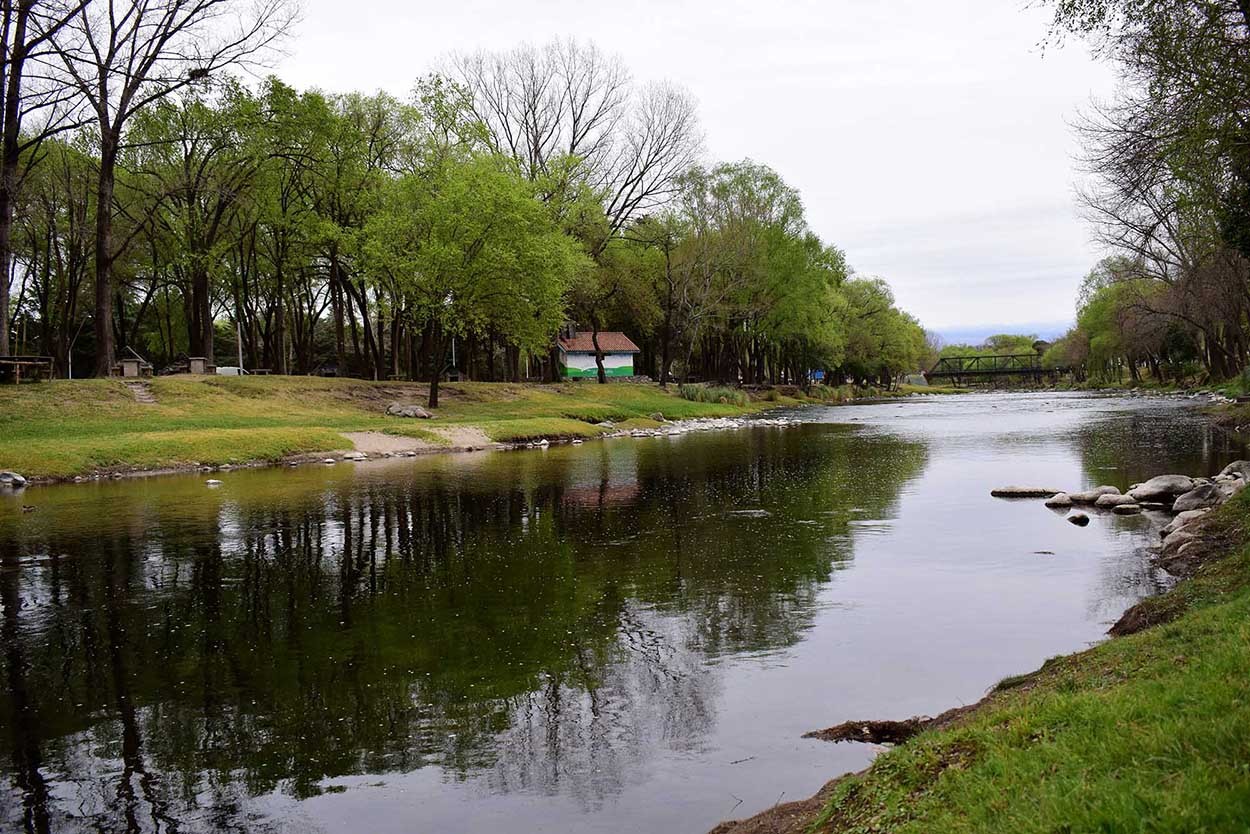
(713, 394)
(827, 393)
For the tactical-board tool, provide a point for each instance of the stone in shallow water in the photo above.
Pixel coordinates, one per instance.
(1091, 496)
(1111, 500)
(1079, 519)
(1024, 492)
(1060, 500)
(1126, 509)
(12, 479)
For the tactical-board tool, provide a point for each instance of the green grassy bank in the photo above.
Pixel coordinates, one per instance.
(1144, 733)
(64, 428)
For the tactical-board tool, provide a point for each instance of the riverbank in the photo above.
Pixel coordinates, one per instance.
(96, 428)
(1149, 730)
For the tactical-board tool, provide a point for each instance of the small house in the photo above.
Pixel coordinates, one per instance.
(577, 354)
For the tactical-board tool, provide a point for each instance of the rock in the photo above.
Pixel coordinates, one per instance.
(1182, 519)
(357, 456)
(1060, 500)
(1238, 469)
(1198, 498)
(12, 479)
(1176, 540)
(1079, 519)
(213, 482)
(658, 417)
(1024, 492)
(1110, 500)
(330, 461)
(1126, 509)
(409, 411)
(1230, 488)
(1163, 488)
(1091, 496)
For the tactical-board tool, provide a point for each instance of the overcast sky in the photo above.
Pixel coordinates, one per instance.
(931, 140)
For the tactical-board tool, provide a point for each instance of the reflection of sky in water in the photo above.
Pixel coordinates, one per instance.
(620, 636)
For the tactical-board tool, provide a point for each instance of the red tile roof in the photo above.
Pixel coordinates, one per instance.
(610, 341)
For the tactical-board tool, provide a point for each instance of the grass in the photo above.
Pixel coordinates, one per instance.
(1145, 733)
(715, 394)
(66, 428)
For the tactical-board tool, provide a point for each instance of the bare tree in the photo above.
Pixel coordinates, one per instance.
(123, 55)
(32, 108)
(572, 118)
(574, 122)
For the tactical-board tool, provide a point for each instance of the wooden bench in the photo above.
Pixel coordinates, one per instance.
(15, 369)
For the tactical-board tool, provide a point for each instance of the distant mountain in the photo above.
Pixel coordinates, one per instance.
(975, 335)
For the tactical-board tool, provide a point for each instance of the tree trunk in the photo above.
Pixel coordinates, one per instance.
(594, 339)
(105, 345)
(438, 361)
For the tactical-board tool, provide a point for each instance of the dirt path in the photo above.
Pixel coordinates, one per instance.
(461, 438)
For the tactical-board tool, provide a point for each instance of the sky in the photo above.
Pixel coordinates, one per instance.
(932, 141)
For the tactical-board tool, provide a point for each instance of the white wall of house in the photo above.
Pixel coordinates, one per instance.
(583, 364)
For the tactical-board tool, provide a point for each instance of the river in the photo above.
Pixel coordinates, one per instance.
(622, 636)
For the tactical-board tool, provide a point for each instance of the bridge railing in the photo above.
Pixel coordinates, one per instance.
(988, 364)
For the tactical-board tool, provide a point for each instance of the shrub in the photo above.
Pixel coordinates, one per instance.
(713, 394)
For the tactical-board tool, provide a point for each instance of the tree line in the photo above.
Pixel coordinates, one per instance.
(152, 203)
(1169, 194)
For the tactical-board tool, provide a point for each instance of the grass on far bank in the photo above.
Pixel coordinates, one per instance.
(63, 428)
(1149, 732)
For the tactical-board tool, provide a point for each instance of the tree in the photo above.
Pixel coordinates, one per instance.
(195, 160)
(576, 125)
(124, 55)
(29, 112)
(468, 243)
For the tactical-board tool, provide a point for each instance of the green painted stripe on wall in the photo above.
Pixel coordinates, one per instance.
(579, 373)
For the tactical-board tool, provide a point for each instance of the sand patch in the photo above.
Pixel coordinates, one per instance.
(460, 438)
(465, 437)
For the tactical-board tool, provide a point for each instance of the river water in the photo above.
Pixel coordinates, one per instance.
(623, 636)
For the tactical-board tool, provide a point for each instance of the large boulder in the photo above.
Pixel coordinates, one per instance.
(1238, 469)
(409, 411)
(1199, 498)
(12, 479)
(1162, 489)
(1091, 496)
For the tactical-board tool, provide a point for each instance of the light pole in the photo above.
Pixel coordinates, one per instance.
(69, 354)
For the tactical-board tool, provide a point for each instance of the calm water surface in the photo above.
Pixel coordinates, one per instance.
(615, 637)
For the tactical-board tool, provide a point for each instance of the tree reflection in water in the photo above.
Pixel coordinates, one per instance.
(543, 622)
